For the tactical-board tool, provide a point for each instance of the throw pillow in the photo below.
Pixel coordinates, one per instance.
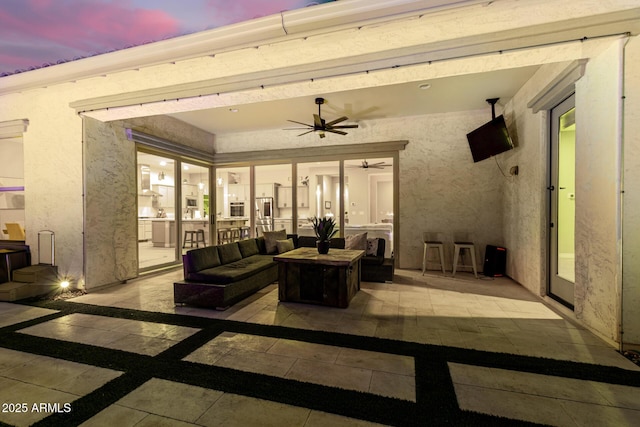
(356, 241)
(372, 247)
(284, 245)
(229, 252)
(248, 247)
(270, 239)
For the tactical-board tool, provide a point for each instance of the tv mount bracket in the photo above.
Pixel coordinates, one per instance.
(493, 101)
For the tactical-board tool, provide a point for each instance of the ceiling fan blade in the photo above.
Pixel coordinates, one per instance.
(335, 131)
(300, 123)
(304, 133)
(317, 121)
(344, 127)
(338, 120)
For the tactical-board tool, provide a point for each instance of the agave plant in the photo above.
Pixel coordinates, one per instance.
(325, 228)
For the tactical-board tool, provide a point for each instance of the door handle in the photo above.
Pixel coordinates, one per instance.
(561, 188)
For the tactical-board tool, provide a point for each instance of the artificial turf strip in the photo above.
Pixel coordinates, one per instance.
(435, 404)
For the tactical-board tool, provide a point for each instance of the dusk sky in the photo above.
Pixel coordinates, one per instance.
(37, 32)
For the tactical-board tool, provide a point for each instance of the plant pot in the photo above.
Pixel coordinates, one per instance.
(323, 246)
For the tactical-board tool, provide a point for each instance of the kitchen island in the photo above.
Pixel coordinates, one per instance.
(163, 230)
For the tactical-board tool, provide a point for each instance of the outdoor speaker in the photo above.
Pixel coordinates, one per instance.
(495, 261)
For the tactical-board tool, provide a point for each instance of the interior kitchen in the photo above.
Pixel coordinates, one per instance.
(276, 202)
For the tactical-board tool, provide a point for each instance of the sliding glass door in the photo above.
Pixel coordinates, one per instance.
(194, 206)
(157, 228)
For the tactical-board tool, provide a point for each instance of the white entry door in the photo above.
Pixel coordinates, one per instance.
(562, 192)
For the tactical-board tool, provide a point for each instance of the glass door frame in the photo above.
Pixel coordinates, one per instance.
(178, 233)
(252, 159)
(559, 288)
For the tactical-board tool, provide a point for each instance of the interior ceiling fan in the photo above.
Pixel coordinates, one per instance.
(321, 126)
(367, 165)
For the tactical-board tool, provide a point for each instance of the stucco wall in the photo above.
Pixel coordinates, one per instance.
(110, 204)
(441, 189)
(631, 200)
(52, 172)
(597, 286)
(526, 198)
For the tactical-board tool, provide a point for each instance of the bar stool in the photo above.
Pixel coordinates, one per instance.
(200, 238)
(244, 232)
(432, 241)
(462, 241)
(224, 236)
(193, 236)
(235, 234)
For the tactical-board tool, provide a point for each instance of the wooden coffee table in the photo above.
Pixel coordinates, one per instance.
(306, 276)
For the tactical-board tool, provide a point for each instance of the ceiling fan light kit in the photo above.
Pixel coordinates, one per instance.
(321, 126)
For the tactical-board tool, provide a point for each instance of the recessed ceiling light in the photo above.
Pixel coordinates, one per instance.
(233, 110)
(424, 86)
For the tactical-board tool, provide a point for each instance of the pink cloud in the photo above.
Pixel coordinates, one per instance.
(90, 27)
(35, 32)
(243, 10)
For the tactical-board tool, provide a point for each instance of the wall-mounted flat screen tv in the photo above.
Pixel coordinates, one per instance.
(489, 139)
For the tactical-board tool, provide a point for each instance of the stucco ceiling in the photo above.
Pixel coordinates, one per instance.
(450, 94)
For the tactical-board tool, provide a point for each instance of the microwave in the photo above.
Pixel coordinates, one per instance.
(236, 209)
(190, 202)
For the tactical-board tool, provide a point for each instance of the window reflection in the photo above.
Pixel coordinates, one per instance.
(318, 193)
(12, 190)
(156, 211)
(194, 206)
(232, 204)
(368, 199)
(273, 203)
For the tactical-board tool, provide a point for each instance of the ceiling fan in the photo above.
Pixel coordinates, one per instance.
(367, 165)
(321, 126)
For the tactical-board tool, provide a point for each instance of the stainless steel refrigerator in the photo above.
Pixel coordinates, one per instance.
(265, 213)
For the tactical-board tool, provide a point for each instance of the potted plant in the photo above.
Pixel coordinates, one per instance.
(325, 229)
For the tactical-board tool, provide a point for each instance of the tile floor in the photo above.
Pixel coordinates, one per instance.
(492, 315)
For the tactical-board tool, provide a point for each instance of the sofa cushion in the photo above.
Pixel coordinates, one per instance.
(270, 239)
(201, 259)
(372, 247)
(356, 241)
(248, 247)
(306, 242)
(337, 243)
(234, 271)
(284, 245)
(229, 252)
(372, 260)
(261, 245)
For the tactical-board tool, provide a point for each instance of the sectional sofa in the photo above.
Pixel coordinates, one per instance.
(220, 276)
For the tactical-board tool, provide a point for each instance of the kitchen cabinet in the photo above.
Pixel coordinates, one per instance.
(303, 196)
(238, 192)
(283, 224)
(144, 230)
(284, 197)
(189, 190)
(167, 196)
(264, 190)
